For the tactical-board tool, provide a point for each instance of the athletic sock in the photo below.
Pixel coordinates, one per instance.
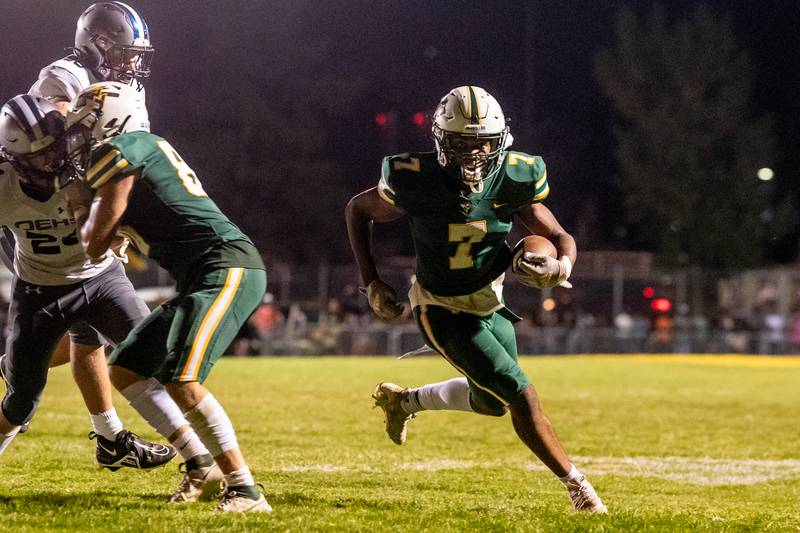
(189, 446)
(152, 401)
(451, 395)
(240, 478)
(107, 424)
(573, 475)
(7, 438)
(212, 425)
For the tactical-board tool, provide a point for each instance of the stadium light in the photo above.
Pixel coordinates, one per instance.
(765, 174)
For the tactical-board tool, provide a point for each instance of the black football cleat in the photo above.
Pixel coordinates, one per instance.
(128, 450)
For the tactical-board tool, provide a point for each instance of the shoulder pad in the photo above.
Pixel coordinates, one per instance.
(402, 171)
(530, 170)
(106, 163)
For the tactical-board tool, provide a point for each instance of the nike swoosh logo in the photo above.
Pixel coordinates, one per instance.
(109, 452)
(495, 205)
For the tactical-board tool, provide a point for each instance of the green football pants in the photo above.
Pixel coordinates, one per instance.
(183, 338)
(483, 348)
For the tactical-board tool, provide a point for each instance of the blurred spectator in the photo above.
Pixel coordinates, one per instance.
(623, 324)
(774, 324)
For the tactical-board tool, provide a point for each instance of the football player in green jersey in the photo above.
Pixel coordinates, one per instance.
(460, 201)
(135, 183)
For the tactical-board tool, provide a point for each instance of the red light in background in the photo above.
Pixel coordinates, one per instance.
(419, 119)
(382, 119)
(648, 292)
(661, 305)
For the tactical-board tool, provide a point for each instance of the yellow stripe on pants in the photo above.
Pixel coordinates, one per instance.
(210, 323)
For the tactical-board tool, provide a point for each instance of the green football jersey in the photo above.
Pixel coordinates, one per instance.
(459, 237)
(169, 216)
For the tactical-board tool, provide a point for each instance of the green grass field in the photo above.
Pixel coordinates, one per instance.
(670, 443)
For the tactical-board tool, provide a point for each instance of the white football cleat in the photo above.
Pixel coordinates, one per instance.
(584, 497)
(233, 502)
(388, 396)
(199, 484)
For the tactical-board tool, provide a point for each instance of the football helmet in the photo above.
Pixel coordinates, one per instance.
(100, 112)
(32, 139)
(470, 134)
(113, 42)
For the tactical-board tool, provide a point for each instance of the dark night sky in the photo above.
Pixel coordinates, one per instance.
(412, 53)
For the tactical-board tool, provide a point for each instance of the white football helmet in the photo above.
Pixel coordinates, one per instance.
(100, 112)
(32, 139)
(466, 116)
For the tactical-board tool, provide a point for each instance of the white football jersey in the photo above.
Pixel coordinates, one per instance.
(63, 80)
(47, 250)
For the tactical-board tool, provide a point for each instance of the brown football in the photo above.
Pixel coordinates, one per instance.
(538, 245)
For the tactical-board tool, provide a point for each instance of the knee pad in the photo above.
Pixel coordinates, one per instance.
(19, 406)
(486, 405)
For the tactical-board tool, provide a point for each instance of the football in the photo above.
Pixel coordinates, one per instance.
(536, 244)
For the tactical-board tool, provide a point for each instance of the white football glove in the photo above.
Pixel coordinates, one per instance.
(541, 271)
(383, 300)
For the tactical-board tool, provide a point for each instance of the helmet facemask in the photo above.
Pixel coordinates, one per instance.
(474, 157)
(45, 170)
(79, 146)
(125, 63)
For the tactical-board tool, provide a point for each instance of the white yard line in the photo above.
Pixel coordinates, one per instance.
(692, 470)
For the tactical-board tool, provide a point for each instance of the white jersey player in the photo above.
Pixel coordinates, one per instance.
(54, 286)
(111, 43)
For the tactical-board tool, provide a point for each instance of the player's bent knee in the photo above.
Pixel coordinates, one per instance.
(122, 378)
(18, 407)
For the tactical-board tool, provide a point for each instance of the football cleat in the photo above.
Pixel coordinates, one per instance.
(584, 497)
(131, 451)
(388, 396)
(238, 501)
(202, 483)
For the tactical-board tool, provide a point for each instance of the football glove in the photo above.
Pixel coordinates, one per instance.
(383, 300)
(541, 271)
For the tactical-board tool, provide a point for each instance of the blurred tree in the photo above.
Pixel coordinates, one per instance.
(687, 146)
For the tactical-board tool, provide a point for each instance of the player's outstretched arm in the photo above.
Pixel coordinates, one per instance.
(362, 210)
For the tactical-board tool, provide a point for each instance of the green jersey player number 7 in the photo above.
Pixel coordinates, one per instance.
(461, 200)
